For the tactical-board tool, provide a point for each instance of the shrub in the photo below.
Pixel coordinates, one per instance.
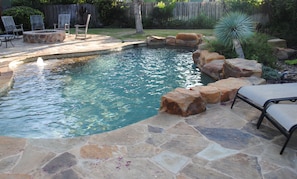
(234, 25)
(283, 19)
(161, 14)
(269, 73)
(257, 48)
(21, 15)
(245, 6)
(112, 13)
(216, 46)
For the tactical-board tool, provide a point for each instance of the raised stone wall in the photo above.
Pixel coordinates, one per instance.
(44, 36)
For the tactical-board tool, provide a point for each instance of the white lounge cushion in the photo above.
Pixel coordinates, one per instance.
(284, 114)
(259, 94)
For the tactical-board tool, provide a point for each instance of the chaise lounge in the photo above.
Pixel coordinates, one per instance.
(259, 96)
(266, 98)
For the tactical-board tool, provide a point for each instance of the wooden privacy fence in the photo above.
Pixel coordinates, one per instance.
(182, 11)
(190, 10)
(78, 13)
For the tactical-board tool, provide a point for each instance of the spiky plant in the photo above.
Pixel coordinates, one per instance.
(233, 30)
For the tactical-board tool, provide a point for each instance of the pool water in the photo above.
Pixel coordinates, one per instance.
(108, 92)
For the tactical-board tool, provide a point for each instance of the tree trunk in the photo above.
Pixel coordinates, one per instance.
(137, 15)
(238, 48)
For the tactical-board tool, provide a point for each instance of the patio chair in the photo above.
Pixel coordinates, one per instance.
(284, 118)
(260, 96)
(11, 27)
(63, 23)
(36, 22)
(81, 31)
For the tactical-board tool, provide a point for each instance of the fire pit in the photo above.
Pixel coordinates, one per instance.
(44, 36)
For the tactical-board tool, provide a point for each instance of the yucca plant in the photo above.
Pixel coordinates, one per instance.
(233, 30)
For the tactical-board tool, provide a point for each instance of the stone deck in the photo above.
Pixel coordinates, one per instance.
(219, 143)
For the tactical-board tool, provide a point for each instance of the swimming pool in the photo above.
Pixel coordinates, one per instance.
(108, 92)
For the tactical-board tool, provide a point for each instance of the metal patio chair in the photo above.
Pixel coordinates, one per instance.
(36, 22)
(10, 26)
(63, 23)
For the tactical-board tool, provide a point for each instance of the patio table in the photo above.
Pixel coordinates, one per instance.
(6, 38)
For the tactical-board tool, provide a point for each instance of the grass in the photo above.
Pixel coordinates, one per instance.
(291, 62)
(127, 33)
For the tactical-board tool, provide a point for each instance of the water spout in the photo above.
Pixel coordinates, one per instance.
(40, 61)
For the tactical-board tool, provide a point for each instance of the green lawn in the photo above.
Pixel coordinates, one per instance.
(126, 33)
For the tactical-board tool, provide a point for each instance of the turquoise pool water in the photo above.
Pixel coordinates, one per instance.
(103, 94)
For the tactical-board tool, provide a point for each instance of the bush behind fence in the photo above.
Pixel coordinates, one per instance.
(182, 11)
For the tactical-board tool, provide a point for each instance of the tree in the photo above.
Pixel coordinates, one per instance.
(137, 15)
(234, 29)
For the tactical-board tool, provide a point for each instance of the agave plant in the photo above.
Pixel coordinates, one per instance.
(233, 30)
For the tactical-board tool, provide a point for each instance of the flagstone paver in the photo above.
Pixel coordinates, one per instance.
(218, 143)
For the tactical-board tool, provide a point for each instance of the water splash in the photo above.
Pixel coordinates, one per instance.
(40, 62)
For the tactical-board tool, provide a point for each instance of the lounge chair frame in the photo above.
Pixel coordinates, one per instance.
(273, 100)
(287, 133)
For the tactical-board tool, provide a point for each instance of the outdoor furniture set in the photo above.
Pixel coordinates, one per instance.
(13, 31)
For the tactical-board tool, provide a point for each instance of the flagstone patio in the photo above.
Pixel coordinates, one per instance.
(219, 143)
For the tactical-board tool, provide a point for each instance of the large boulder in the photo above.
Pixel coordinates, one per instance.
(188, 39)
(214, 69)
(155, 40)
(228, 87)
(210, 94)
(239, 67)
(284, 53)
(183, 102)
(170, 40)
(202, 57)
(277, 43)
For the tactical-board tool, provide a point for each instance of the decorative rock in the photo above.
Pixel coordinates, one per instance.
(203, 46)
(202, 57)
(195, 56)
(214, 69)
(239, 67)
(182, 102)
(229, 87)
(170, 40)
(210, 94)
(255, 80)
(284, 53)
(212, 56)
(188, 39)
(155, 40)
(277, 43)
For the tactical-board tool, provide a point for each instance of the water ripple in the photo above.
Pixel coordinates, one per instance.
(108, 92)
